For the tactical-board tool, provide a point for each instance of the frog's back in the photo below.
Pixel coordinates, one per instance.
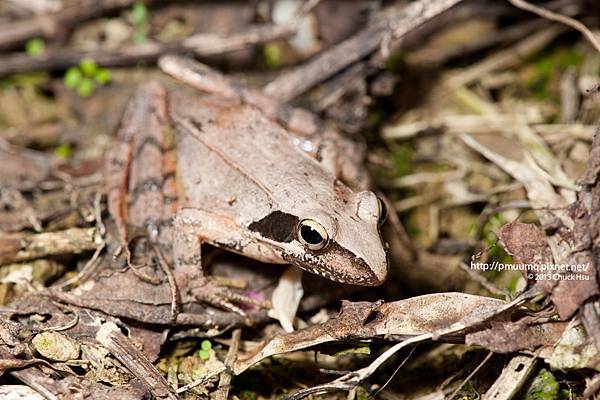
(234, 160)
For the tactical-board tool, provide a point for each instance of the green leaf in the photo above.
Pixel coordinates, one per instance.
(72, 77)
(63, 151)
(103, 76)
(204, 354)
(34, 47)
(139, 36)
(86, 87)
(88, 66)
(139, 13)
(206, 345)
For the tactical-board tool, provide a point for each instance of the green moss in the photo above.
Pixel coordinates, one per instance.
(568, 57)
(364, 349)
(272, 55)
(543, 387)
(362, 394)
(248, 395)
(45, 343)
(395, 61)
(546, 68)
(511, 286)
(24, 81)
(402, 157)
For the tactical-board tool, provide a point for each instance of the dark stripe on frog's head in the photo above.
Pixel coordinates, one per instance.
(278, 226)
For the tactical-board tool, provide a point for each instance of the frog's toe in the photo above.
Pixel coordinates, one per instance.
(223, 297)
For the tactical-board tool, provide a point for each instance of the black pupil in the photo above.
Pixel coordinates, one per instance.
(310, 235)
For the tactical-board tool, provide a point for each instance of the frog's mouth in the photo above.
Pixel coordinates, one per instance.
(338, 264)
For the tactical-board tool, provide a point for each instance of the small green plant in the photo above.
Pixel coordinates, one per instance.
(272, 55)
(34, 47)
(64, 151)
(204, 352)
(86, 77)
(139, 18)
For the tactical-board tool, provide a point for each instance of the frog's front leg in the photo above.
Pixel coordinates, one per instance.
(192, 227)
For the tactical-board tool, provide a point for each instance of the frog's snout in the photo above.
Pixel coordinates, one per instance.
(378, 266)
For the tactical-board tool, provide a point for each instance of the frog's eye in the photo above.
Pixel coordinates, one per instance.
(312, 234)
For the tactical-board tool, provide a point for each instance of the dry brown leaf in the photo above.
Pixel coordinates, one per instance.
(507, 337)
(404, 318)
(528, 245)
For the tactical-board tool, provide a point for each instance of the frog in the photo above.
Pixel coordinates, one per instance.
(235, 169)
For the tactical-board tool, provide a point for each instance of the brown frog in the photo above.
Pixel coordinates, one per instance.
(246, 174)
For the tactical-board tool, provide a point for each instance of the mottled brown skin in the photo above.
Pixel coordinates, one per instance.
(341, 156)
(228, 148)
(141, 190)
(140, 169)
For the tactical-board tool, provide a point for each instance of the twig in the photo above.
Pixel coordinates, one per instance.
(172, 284)
(592, 387)
(468, 378)
(87, 269)
(486, 214)
(65, 327)
(394, 373)
(394, 23)
(397, 226)
(93, 262)
(202, 44)
(50, 25)
(15, 200)
(225, 379)
(200, 381)
(503, 59)
(437, 56)
(563, 19)
(482, 280)
(70, 241)
(120, 346)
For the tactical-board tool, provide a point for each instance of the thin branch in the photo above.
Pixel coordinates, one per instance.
(50, 25)
(471, 375)
(393, 23)
(563, 19)
(16, 248)
(222, 392)
(202, 44)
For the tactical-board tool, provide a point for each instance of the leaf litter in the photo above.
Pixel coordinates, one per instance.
(495, 127)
